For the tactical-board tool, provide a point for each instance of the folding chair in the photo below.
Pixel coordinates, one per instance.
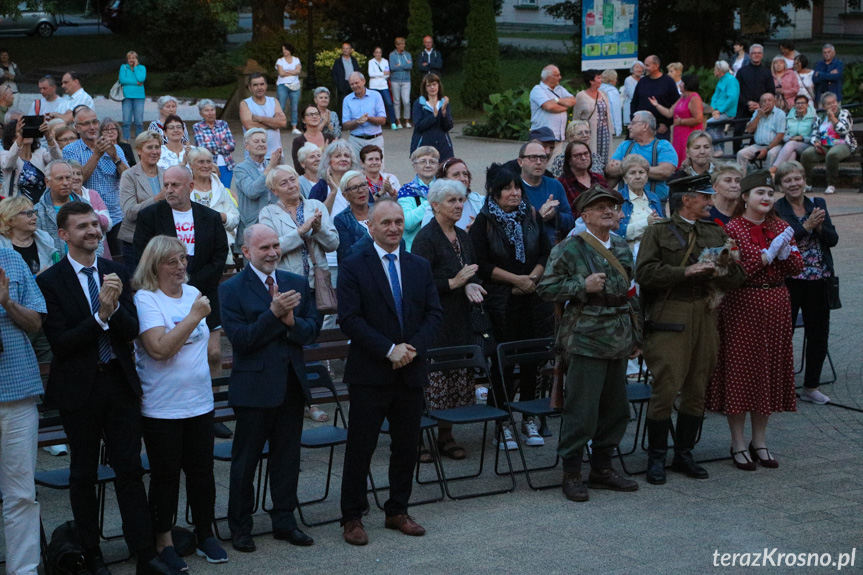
(469, 357)
(799, 324)
(516, 353)
(427, 424)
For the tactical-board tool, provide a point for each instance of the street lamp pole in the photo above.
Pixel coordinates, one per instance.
(311, 78)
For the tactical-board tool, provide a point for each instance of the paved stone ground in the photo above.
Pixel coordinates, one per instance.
(812, 503)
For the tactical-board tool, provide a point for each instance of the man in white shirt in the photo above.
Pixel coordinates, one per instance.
(75, 95)
(550, 103)
(50, 104)
(262, 111)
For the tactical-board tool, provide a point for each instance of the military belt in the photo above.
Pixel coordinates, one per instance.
(606, 301)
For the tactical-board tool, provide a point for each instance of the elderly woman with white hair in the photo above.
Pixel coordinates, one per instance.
(338, 158)
(167, 107)
(576, 131)
(309, 157)
(250, 179)
(449, 250)
(215, 135)
(412, 195)
(140, 186)
(329, 119)
(723, 104)
(636, 71)
(209, 191)
(352, 223)
(609, 87)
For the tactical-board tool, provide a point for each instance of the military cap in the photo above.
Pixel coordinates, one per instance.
(594, 193)
(699, 183)
(755, 180)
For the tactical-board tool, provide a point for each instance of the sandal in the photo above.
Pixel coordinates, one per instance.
(425, 455)
(315, 413)
(451, 449)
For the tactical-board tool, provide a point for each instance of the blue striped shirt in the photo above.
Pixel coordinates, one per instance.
(769, 125)
(105, 179)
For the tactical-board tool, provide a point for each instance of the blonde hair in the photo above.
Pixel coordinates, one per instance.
(9, 208)
(572, 126)
(195, 153)
(145, 137)
(131, 53)
(675, 66)
(425, 151)
(274, 173)
(720, 170)
(609, 76)
(158, 250)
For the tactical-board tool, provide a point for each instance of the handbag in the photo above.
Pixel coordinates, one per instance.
(833, 292)
(116, 92)
(481, 329)
(325, 296)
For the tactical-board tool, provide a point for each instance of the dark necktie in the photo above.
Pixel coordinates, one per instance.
(104, 341)
(397, 288)
(271, 286)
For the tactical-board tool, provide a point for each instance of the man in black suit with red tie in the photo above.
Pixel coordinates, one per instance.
(389, 308)
(90, 325)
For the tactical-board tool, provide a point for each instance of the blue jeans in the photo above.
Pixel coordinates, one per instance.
(388, 104)
(283, 93)
(133, 108)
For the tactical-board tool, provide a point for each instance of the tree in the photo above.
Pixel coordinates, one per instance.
(481, 65)
(694, 32)
(419, 26)
(268, 18)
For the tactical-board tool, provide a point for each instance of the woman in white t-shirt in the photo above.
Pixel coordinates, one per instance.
(288, 84)
(177, 401)
(379, 73)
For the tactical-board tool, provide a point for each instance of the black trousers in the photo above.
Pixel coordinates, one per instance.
(112, 411)
(187, 445)
(519, 322)
(370, 404)
(282, 426)
(810, 296)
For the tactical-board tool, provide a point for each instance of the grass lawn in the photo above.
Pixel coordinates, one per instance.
(101, 84)
(32, 53)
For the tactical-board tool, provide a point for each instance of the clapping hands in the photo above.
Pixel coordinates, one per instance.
(778, 246)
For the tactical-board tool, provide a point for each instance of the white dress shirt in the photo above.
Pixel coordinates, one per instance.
(386, 265)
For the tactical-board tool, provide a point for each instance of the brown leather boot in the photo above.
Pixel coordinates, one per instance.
(573, 488)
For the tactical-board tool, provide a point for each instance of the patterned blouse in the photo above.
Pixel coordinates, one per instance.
(218, 140)
(813, 257)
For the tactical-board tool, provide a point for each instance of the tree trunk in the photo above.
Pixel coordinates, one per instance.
(267, 18)
(701, 38)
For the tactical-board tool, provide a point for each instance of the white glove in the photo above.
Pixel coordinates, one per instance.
(785, 252)
(778, 244)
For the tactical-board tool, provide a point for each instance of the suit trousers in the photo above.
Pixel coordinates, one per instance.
(19, 432)
(682, 361)
(174, 445)
(112, 411)
(595, 407)
(282, 426)
(370, 404)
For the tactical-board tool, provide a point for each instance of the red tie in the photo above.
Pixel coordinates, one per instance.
(271, 285)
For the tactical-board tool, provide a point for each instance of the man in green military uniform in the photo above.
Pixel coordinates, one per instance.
(599, 331)
(681, 340)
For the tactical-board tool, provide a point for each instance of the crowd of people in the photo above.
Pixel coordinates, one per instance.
(112, 257)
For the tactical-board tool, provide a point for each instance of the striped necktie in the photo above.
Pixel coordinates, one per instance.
(104, 341)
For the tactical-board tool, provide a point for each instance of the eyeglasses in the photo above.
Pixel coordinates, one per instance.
(174, 127)
(109, 129)
(313, 114)
(426, 162)
(535, 158)
(87, 124)
(581, 155)
(66, 139)
(27, 213)
(176, 262)
(611, 208)
(357, 188)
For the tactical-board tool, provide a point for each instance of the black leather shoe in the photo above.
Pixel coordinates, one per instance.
(293, 536)
(684, 463)
(154, 566)
(607, 478)
(95, 564)
(573, 488)
(243, 542)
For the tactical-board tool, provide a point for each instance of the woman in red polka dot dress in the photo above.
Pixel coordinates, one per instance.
(755, 371)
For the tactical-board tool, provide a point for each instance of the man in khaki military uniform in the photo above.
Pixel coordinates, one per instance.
(599, 331)
(681, 339)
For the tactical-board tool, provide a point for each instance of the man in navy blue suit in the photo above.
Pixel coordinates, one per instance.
(268, 316)
(389, 308)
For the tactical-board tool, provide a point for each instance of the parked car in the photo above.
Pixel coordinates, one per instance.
(31, 22)
(111, 15)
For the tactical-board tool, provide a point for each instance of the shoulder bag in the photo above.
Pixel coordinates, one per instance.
(325, 296)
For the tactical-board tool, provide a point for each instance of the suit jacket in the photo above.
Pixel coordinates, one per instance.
(135, 195)
(338, 73)
(264, 348)
(73, 333)
(367, 315)
(211, 243)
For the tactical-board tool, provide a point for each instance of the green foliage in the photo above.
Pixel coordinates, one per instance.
(213, 68)
(324, 63)
(706, 82)
(852, 82)
(167, 31)
(507, 117)
(481, 63)
(419, 26)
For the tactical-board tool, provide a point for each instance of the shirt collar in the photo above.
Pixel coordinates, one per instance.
(262, 276)
(77, 266)
(382, 252)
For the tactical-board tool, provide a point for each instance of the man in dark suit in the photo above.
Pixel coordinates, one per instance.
(90, 325)
(341, 71)
(389, 308)
(268, 316)
(201, 229)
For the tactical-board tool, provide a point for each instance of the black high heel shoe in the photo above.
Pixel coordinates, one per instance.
(749, 465)
(768, 462)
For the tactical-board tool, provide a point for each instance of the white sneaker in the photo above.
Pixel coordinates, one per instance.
(482, 394)
(56, 450)
(408, 125)
(530, 434)
(296, 132)
(830, 190)
(508, 443)
(813, 396)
